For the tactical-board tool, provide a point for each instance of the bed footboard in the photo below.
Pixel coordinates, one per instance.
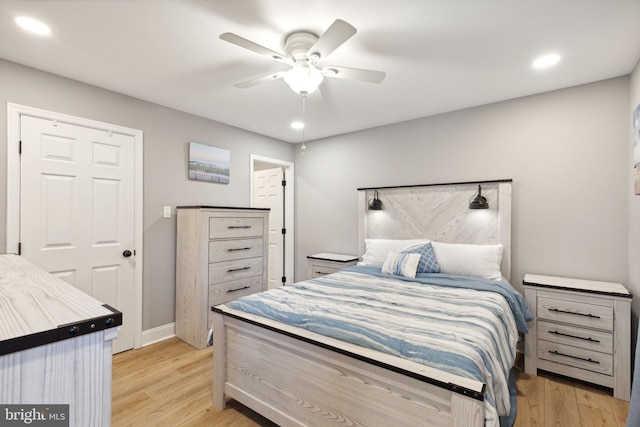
(294, 380)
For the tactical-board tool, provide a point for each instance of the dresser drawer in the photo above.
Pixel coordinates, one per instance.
(227, 250)
(578, 337)
(223, 228)
(575, 313)
(233, 270)
(219, 293)
(576, 357)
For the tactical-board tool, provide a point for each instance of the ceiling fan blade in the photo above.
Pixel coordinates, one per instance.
(263, 79)
(368, 76)
(254, 47)
(338, 33)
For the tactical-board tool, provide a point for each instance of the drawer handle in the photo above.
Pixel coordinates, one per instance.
(323, 272)
(238, 289)
(237, 249)
(590, 360)
(574, 336)
(573, 312)
(238, 226)
(232, 270)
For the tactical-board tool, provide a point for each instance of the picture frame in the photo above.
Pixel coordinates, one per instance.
(208, 163)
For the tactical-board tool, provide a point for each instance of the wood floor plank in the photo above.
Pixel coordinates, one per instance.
(620, 410)
(530, 399)
(594, 417)
(169, 384)
(561, 407)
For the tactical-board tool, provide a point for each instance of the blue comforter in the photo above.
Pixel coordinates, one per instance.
(465, 326)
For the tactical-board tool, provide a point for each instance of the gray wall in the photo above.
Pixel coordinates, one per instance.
(567, 152)
(634, 208)
(166, 134)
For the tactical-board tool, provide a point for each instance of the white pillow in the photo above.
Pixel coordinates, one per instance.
(401, 264)
(469, 260)
(377, 250)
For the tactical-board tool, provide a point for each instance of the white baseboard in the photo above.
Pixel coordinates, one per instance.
(151, 336)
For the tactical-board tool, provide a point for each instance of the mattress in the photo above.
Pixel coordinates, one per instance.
(461, 325)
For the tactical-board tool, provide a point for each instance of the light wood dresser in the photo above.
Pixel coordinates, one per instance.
(221, 254)
(581, 330)
(55, 346)
(319, 265)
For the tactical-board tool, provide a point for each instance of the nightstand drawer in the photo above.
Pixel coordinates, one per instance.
(576, 357)
(578, 337)
(322, 270)
(575, 313)
(319, 265)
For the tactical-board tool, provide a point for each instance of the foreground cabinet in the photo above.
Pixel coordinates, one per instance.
(55, 348)
(221, 254)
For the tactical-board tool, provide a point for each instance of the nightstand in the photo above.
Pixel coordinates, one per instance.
(581, 330)
(327, 263)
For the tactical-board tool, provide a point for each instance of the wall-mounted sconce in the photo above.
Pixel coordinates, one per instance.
(375, 204)
(479, 202)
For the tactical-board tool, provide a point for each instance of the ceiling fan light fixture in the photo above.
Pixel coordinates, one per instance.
(303, 78)
(33, 25)
(546, 61)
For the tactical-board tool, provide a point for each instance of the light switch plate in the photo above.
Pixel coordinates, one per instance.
(167, 212)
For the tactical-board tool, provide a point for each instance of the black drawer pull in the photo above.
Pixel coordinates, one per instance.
(323, 272)
(231, 270)
(237, 249)
(574, 336)
(238, 226)
(590, 360)
(238, 289)
(573, 312)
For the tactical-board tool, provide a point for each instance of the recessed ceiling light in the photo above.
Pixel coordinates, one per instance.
(546, 61)
(297, 125)
(33, 25)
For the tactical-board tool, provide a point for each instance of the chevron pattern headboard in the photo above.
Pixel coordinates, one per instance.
(439, 212)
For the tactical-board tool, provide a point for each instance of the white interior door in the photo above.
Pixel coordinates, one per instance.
(268, 192)
(77, 211)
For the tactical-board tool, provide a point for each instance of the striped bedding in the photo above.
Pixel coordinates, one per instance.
(465, 326)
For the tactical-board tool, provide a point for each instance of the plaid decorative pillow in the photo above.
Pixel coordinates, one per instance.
(428, 261)
(401, 264)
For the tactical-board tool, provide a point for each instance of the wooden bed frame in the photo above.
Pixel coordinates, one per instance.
(298, 378)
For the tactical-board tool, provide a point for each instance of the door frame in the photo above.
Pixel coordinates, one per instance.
(14, 112)
(289, 209)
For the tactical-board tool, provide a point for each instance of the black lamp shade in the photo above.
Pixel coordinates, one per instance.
(375, 204)
(479, 202)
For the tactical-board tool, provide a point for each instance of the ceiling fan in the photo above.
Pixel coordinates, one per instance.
(304, 51)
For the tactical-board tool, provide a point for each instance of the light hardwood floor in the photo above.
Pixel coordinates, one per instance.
(169, 384)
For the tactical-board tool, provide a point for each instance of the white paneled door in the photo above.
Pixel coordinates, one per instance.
(77, 211)
(268, 192)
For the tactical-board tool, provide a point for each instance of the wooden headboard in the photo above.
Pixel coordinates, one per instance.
(439, 212)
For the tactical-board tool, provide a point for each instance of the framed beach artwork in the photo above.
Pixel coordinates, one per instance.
(207, 163)
(636, 149)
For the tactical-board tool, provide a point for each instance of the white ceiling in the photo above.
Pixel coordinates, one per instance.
(439, 55)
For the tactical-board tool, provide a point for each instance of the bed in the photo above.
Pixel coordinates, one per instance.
(276, 355)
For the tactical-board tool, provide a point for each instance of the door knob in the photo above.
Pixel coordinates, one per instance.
(126, 253)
